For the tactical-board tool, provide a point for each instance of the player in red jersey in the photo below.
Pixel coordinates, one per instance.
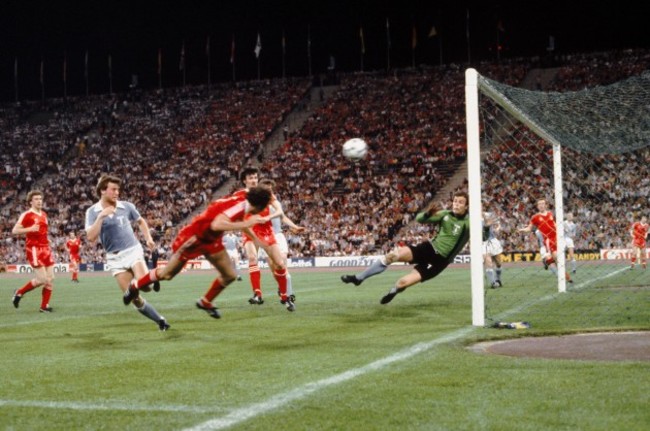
(203, 237)
(74, 245)
(545, 223)
(33, 224)
(264, 232)
(274, 248)
(639, 233)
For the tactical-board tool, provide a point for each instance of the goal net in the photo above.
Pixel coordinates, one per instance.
(586, 154)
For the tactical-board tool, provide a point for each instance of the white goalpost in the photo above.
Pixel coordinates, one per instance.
(526, 133)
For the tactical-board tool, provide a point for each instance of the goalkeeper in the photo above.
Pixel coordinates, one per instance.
(430, 257)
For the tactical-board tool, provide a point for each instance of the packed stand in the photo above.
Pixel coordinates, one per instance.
(172, 149)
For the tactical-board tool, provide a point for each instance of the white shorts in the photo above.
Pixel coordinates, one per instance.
(234, 254)
(569, 242)
(492, 247)
(281, 241)
(124, 260)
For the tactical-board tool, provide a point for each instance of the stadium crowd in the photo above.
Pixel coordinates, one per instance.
(165, 144)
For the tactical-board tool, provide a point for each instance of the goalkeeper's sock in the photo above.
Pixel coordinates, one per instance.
(377, 267)
(498, 272)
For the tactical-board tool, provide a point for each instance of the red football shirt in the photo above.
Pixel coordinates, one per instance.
(546, 224)
(38, 238)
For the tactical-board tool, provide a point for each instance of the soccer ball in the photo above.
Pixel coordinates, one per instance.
(355, 149)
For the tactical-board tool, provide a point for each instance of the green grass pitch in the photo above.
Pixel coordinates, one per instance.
(342, 361)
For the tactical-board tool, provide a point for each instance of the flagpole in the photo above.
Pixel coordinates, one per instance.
(232, 57)
(387, 45)
(16, 78)
(160, 68)
(363, 46)
(257, 51)
(207, 52)
(414, 42)
(110, 74)
(469, 53)
(42, 82)
(65, 75)
(284, 49)
(86, 71)
(309, 49)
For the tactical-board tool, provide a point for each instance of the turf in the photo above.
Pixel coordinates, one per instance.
(341, 361)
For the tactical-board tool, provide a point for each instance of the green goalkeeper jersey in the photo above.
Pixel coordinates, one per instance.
(453, 233)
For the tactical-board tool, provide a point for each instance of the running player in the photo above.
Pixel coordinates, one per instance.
(33, 224)
(73, 245)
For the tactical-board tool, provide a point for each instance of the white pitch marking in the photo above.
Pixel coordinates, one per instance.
(63, 405)
(277, 401)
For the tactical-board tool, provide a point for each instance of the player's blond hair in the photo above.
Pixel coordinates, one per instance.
(33, 193)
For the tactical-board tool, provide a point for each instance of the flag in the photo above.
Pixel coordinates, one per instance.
(181, 63)
(284, 44)
(232, 50)
(433, 31)
(110, 64)
(363, 43)
(86, 65)
(41, 75)
(414, 38)
(207, 47)
(159, 61)
(258, 46)
(16, 69)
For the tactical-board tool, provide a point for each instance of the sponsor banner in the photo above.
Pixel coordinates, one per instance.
(345, 261)
(619, 253)
(533, 256)
(294, 262)
(26, 269)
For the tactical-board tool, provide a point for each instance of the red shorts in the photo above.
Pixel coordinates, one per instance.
(267, 238)
(199, 248)
(75, 259)
(39, 256)
(551, 245)
(639, 244)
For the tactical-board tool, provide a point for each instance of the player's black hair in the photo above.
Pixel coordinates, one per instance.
(259, 197)
(102, 184)
(250, 170)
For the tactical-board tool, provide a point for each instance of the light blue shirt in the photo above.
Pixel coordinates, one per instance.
(116, 233)
(230, 241)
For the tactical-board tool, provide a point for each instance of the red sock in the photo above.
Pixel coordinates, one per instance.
(214, 290)
(633, 260)
(281, 277)
(31, 285)
(568, 277)
(148, 278)
(74, 275)
(550, 260)
(46, 294)
(256, 279)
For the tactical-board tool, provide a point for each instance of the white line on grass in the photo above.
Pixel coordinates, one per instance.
(63, 405)
(277, 401)
(536, 301)
(245, 413)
